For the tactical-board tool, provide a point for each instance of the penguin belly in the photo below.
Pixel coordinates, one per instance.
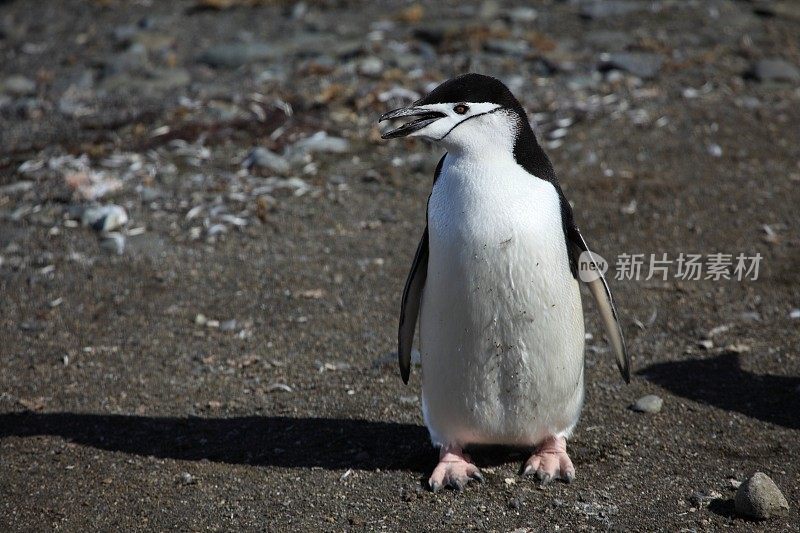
(501, 323)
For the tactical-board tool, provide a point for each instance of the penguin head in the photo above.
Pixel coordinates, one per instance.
(470, 112)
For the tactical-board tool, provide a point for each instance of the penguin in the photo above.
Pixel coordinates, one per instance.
(494, 287)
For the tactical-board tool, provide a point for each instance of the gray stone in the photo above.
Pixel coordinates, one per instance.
(233, 55)
(322, 142)
(113, 243)
(134, 59)
(597, 9)
(371, 66)
(523, 14)
(760, 498)
(511, 47)
(260, 157)
(648, 404)
(640, 64)
(775, 70)
(19, 86)
(149, 194)
(104, 217)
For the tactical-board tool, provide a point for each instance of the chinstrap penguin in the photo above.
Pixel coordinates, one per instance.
(494, 286)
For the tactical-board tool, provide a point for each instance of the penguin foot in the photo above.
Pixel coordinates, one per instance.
(550, 462)
(455, 470)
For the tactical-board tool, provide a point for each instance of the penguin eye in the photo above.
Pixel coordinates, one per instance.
(461, 108)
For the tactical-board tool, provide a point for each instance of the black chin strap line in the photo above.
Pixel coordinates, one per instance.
(496, 109)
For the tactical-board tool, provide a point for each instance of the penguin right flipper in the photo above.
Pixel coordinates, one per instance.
(605, 304)
(412, 295)
(409, 309)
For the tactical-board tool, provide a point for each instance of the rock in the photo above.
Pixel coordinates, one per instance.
(641, 64)
(322, 142)
(511, 47)
(150, 194)
(371, 66)
(794, 314)
(113, 243)
(19, 86)
(187, 479)
(648, 404)
(760, 498)
(17, 187)
(262, 158)
(775, 69)
(228, 325)
(133, 59)
(705, 344)
(598, 9)
(522, 14)
(233, 55)
(105, 217)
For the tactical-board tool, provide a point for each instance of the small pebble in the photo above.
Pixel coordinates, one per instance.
(515, 504)
(104, 217)
(794, 314)
(18, 86)
(775, 69)
(228, 325)
(706, 344)
(760, 498)
(113, 243)
(261, 158)
(648, 404)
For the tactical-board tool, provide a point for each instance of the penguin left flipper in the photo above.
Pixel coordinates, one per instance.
(412, 295)
(605, 302)
(409, 308)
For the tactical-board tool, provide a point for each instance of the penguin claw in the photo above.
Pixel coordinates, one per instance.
(454, 470)
(550, 462)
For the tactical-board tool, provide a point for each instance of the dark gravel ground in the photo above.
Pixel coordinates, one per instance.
(120, 410)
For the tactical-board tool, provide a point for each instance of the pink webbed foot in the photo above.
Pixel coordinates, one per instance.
(550, 461)
(455, 470)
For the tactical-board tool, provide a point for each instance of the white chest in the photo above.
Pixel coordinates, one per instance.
(501, 324)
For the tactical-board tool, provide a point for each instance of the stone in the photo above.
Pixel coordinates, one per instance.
(261, 158)
(104, 217)
(760, 498)
(322, 142)
(599, 9)
(113, 243)
(511, 47)
(233, 55)
(19, 86)
(641, 64)
(775, 69)
(650, 404)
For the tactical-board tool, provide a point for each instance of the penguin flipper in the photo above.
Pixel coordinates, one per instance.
(409, 308)
(604, 301)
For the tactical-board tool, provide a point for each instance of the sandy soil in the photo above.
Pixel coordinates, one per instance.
(119, 410)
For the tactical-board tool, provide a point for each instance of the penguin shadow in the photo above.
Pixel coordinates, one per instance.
(265, 441)
(721, 382)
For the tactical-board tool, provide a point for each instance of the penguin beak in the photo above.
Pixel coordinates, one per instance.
(426, 116)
